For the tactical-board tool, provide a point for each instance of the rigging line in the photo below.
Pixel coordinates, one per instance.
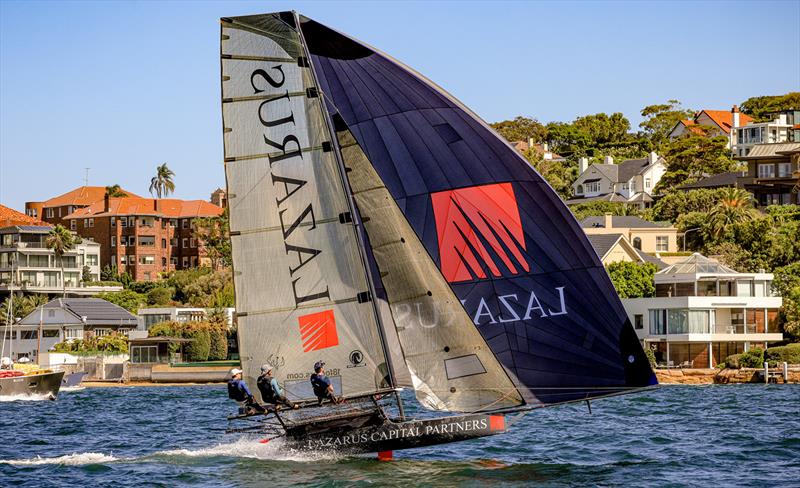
(244, 57)
(269, 98)
(297, 307)
(278, 227)
(357, 221)
(235, 24)
(233, 159)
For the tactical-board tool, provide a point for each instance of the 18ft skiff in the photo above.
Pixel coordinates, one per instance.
(380, 226)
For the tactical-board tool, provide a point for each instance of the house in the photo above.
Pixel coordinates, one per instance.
(10, 217)
(772, 132)
(645, 236)
(147, 317)
(720, 180)
(773, 173)
(614, 248)
(144, 236)
(720, 122)
(54, 210)
(219, 197)
(27, 264)
(63, 319)
(631, 181)
(703, 312)
(543, 150)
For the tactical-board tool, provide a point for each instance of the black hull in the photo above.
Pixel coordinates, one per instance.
(45, 384)
(391, 436)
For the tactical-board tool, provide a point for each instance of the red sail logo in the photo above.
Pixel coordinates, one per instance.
(479, 231)
(318, 331)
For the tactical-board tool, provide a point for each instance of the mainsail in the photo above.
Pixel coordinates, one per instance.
(354, 183)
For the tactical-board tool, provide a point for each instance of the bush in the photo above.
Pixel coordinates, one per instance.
(200, 347)
(789, 354)
(633, 280)
(160, 295)
(103, 283)
(111, 344)
(732, 361)
(219, 344)
(127, 299)
(754, 358)
(651, 356)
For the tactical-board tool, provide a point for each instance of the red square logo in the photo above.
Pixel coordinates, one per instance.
(318, 331)
(497, 422)
(480, 232)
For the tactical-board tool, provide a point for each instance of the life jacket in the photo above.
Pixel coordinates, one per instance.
(235, 392)
(319, 385)
(265, 387)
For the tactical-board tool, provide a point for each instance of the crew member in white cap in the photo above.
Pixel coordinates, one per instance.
(238, 391)
(271, 391)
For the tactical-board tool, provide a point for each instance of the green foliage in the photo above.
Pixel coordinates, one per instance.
(693, 156)
(787, 285)
(759, 107)
(734, 207)
(754, 358)
(595, 135)
(209, 339)
(209, 289)
(783, 354)
(103, 283)
(660, 119)
(651, 356)
(674, 204)
(115, 191)
(595, 209)
(213, 234)
(521, 129)
(559, 175)
(114, 343)
(111, 273)
(200, 347)
(732, 361)
(86, 274)
(162, 183)
(218, 348)
(160, 296)
(22, 306)
(633, 280)
(127, 299)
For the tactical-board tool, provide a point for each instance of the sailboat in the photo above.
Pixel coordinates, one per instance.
(381, 227)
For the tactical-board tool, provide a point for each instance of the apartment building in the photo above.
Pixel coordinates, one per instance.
(55, 210)
(773, 173)
(144, 236)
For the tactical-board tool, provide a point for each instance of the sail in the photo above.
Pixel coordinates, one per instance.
(300, 283)
(507, 247)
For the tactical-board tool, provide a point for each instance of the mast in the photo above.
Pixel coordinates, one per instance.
(357, 224)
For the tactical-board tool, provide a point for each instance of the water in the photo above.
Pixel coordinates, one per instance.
(731, 435)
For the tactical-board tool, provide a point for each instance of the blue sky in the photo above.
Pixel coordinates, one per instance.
(121, 87)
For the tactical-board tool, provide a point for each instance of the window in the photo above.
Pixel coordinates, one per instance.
(185, 223)
(163, 261)
(91, 259)
(102, 332)
(662, 243)
(123, 259)
(637, 243)
(50, 333)
(638, 321)
(147, 259)
(185, 262)
(163, 243)
(73, 334)
(744, 288)
(147, 276)
(173, 242)
(173, 222)
(194, 261)
(647, 183)
(784, 170)
(766, 170)
(579, 190)
(146, 222)
(73, 225)
(123, 221)
(91, 222)
(113, 241)
(173, 261)
(131, 240)
(28, 334)
(592, 187)
(185, 243)
(50, 213)
(147, 240)
(658, 322)
(113, 222)
(38, 261)
(191, 242)
(144, 354)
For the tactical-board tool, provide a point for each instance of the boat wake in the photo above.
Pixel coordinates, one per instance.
(243, 448)
(25, 398)
(68, 460)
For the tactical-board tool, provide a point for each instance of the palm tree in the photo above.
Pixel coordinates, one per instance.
(735, 206)
(60, 240)
(115, 191)
(162, 183)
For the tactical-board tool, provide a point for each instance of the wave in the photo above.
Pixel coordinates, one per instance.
(75, 459)
(25, 398)
(274, 450)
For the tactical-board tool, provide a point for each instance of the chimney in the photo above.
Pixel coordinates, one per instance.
(105, 203)
(608, 160)
(530, 143)
(583, 164)
(735, 116)
(545, 147)
(608, 221)
(652, 157)
(157, 205)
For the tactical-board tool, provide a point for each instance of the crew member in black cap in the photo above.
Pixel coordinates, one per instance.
(322, 385)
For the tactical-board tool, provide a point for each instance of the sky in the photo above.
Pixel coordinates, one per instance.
(121, 87)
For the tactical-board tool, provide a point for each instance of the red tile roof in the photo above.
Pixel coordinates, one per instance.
(523, 146)
(83, 195)
(10, 217)
(724, 118)
(165, 207)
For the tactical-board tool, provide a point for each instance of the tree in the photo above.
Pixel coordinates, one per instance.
(213, 234)
(115, 191)
(674, 204)
(160, 296)
(521, 129)
(659, 120)
(86, 274)
(22, 306)
(759, 107)
(633, 280)
(127, 299)
(692, 156)
(558, 174)
(787, 285)
(219, 335)
(60, 241)
(598, 208)
(734, 207)
(162, 183)
(597, 134)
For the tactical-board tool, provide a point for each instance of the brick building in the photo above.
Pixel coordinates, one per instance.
(144, 236)
(54, 210)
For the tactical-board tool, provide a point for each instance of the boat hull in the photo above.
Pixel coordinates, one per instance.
(391, 436)
(36, 385)
(72, 380)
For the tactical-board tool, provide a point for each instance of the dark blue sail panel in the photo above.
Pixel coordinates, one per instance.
(510, 249)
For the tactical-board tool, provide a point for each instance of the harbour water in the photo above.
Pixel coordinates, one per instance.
(734, 435)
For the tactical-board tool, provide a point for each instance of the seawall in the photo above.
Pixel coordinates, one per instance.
(723, 376)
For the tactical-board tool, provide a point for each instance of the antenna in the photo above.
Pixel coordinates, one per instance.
(86, 177)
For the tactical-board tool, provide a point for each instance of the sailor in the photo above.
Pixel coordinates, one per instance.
(6, 363)
(271, 391)
(322, 385)
(238, 391)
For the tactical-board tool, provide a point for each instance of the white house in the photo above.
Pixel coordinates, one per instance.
(147, 317)
(631, 181)
(703, 312)
(772, 132)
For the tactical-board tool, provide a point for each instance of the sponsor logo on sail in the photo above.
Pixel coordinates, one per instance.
(318, 331)
(480, 232)
(356, 359)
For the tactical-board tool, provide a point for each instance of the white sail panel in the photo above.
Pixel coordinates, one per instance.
(298, 274)
(450, 363)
